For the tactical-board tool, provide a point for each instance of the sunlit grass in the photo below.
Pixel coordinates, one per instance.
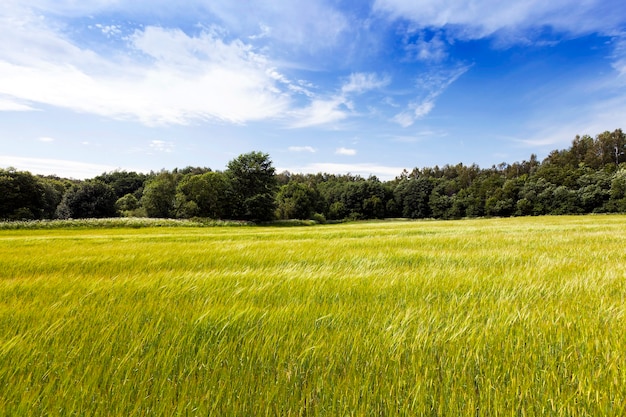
(510, 317)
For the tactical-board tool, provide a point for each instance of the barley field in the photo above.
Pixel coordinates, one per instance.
(488, 317)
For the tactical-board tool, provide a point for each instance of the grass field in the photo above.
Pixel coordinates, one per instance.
(494, 317)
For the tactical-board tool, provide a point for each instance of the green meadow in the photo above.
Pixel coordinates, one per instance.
(487, 317)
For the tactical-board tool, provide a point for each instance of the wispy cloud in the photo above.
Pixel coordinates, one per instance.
(345, 151)
(309, 149)
(363, 169)
(165, 76)
(162, 146)
(109, 30)
(8, 104)
(60, 167)
(265, 31)
(360, 82)
(184, 78)
(45, 139)
(431, 86)
(308, 26)
(474, 19)
(321, 112)
(590, 119)
(252, 70)
(337, 107)
(415, 137)
(433, 50)
(619, 55)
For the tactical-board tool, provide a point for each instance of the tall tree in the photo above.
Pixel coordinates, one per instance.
(159, 195)
(91, 199)
(124, 182)
(254, 185)
(296, 200)
(413, 197)
(22, 195)
(203, 195)
(53, 190)
(617, 201)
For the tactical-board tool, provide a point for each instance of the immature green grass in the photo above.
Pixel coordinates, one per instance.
(509, 317)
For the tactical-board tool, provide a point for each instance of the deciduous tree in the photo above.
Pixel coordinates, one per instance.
(253, 182)
(91, 199)
(159, 196)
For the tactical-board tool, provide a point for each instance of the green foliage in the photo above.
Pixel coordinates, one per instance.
(617, 198)
(53, 191)
(413, 196)
(124, 182)
(319, 218)
(159, 195)
(260, 207)
(128, 206)
(337, 211)
(355, 197)
(593, 191)
(203, 195)
(441, 200)
(296, 200)
(91, 199)
(253, 181)
(584, 178)
(23, 196)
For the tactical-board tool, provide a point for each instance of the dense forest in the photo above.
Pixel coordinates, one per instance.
(589, 177)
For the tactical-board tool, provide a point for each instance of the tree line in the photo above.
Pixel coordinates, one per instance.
(588, 177)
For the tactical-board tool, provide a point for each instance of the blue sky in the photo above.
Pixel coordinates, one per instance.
(361, 87)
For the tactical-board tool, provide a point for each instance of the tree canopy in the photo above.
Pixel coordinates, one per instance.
(253, 182)
(588, 177)
(91, 199)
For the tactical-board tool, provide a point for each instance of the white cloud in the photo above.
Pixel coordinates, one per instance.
(423, 108)
(12, 105)
(417, 110)
(591, 119)
(310, 26)
(431, 85)
(162, 146)
(360, 82)
(473, 19)
(619, 55)
(45, 139)
(364, 170)
(620, 66)
(186, 78)
(71, 7)
(302, 149)
(433, 50)
(405, 118)
(265, 32)
(416, 137)
(109, 30)
(345, 151)
(321, 112)
(60, 167)
(166, 76)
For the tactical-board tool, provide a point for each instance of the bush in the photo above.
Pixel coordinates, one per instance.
(319, 218)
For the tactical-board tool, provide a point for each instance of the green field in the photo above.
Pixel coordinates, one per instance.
(493, 317)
